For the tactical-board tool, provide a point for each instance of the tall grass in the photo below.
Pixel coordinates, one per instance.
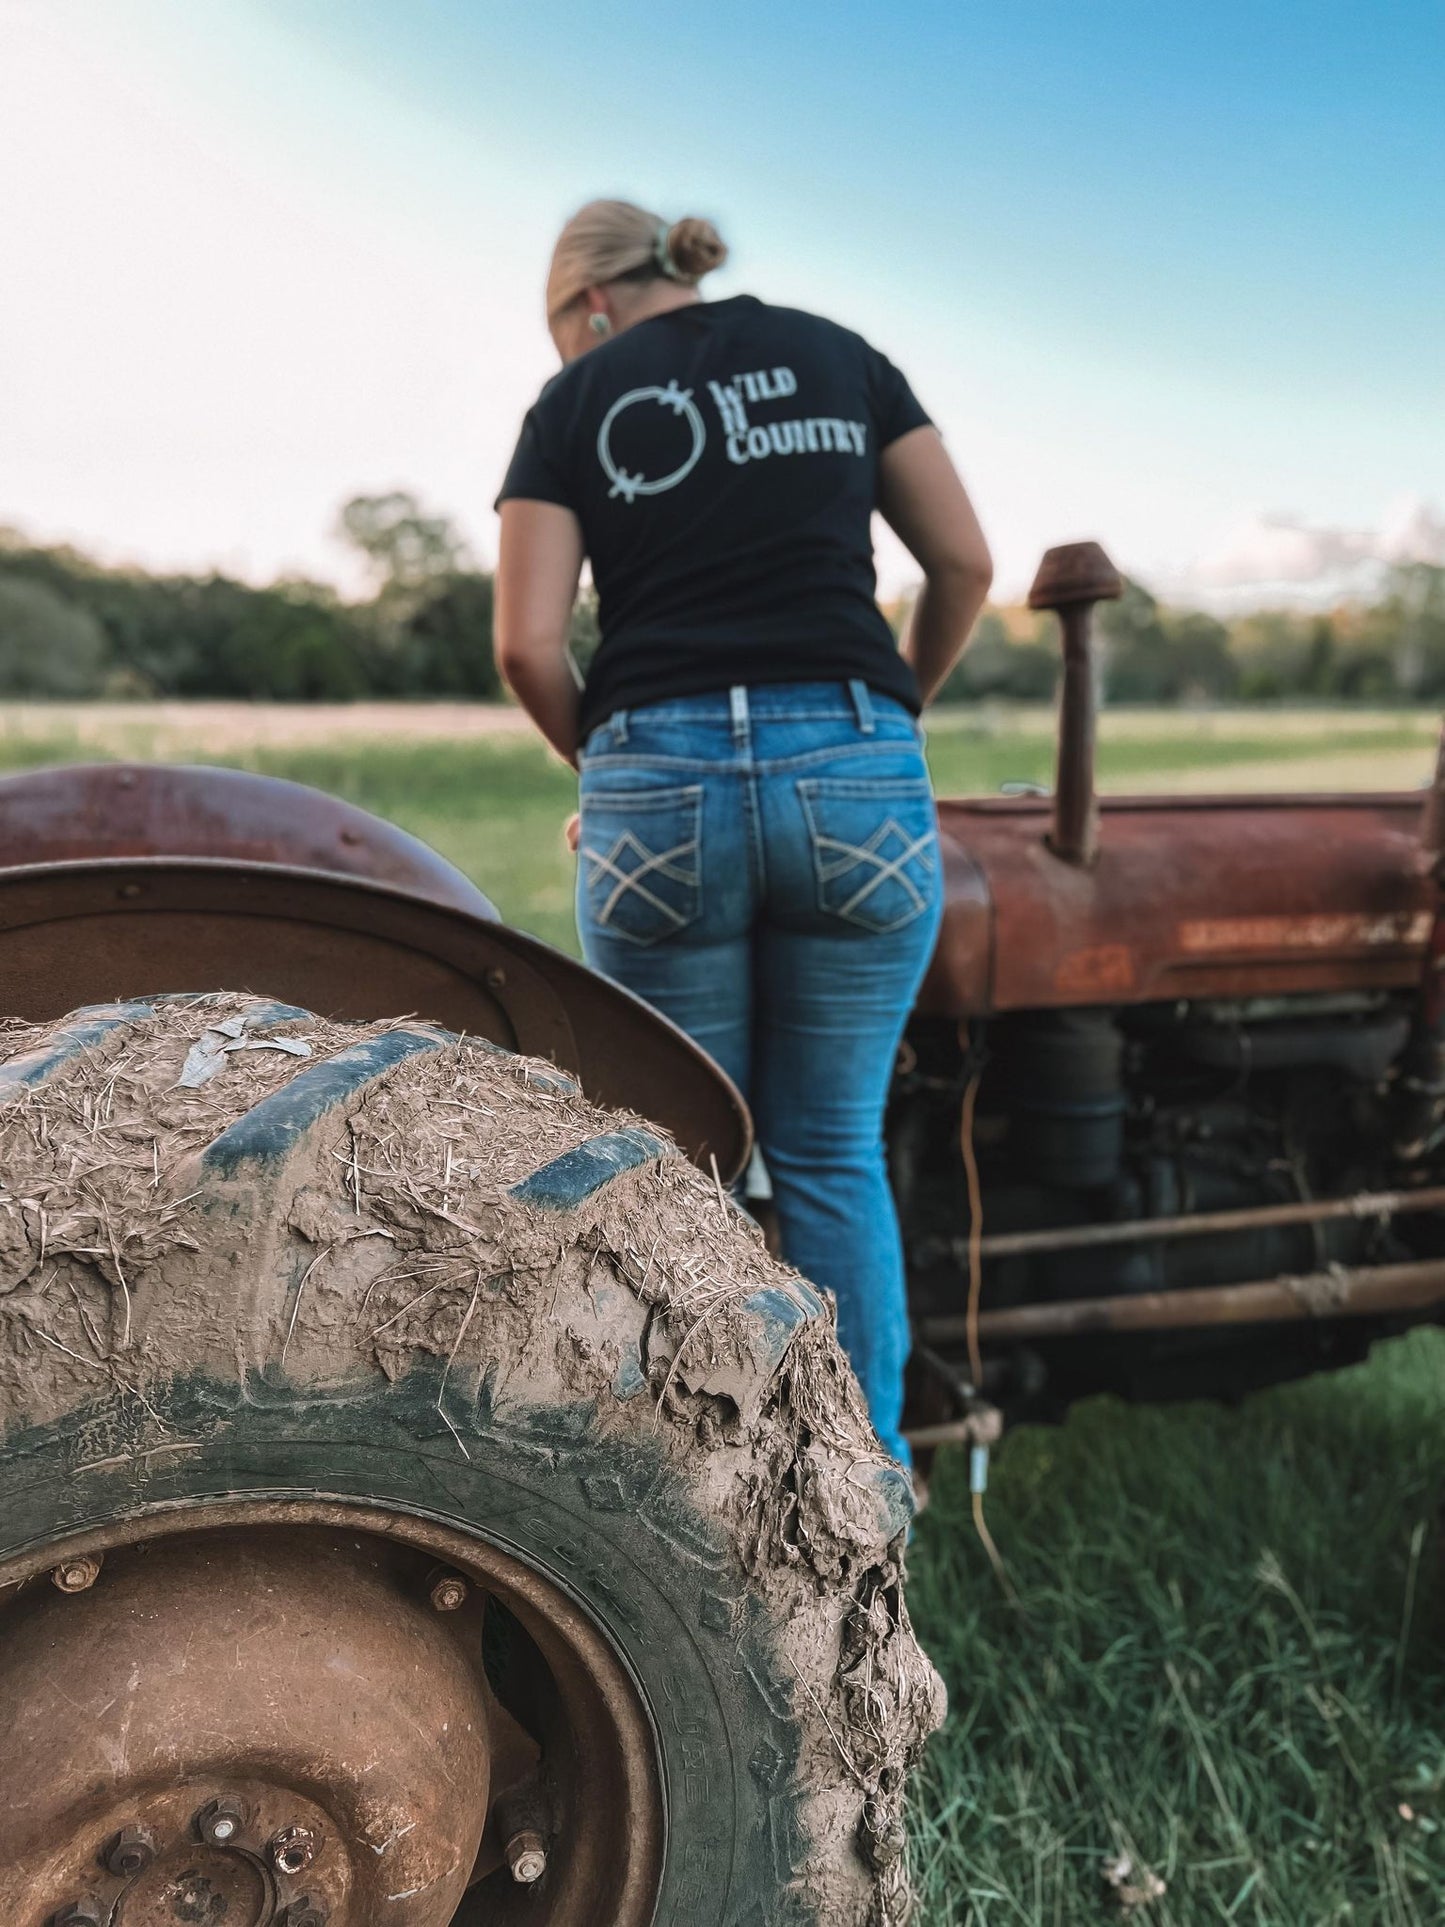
(1226, 1661)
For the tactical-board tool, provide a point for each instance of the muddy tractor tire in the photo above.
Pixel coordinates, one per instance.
(423, 1501)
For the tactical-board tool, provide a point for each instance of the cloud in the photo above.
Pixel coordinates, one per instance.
(1413, 531)
(1280, 552)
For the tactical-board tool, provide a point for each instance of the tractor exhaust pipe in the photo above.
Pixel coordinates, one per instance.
(1070, 581)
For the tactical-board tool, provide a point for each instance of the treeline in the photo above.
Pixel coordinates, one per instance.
(70, 628)
(1390, 650)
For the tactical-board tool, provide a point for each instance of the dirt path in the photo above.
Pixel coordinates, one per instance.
(1351, 770)
(225, 729)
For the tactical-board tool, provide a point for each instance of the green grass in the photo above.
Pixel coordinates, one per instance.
(973, 761)
(1226, 1660)
(1227, 1654)
(496, 810)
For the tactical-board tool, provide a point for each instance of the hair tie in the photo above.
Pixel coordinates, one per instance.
(662, 253)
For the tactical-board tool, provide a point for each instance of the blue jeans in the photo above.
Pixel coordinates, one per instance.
(763, 866)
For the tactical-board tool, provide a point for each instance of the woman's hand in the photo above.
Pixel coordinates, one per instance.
(539, 566)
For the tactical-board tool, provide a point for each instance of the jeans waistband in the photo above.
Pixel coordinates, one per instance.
(739, 708)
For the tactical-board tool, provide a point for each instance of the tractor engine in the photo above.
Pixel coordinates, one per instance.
(1088, 1123)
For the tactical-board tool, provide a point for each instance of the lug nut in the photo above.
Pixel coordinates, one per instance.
(130, 1852)
(78, 1913)
(449, 1591)
(220, 1823)
(527, 1856)
(292, 1849)
(306, 1912)
(77, 1575)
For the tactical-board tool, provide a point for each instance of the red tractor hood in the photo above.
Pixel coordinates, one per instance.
(1189, 897)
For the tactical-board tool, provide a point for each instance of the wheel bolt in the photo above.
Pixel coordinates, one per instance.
(292, 1849)
(78, 1913)
(306, 1912)
(527, 1856)
(131, 1851)
(449, 1591)
(220, 1823)
(77, 1575)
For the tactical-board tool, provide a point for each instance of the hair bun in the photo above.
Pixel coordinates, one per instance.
(696, 248)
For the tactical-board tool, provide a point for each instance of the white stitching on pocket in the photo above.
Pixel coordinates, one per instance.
(851, 855)
(665, 863)
(834, 857)
(617, 873)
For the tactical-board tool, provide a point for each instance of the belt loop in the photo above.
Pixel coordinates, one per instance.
(738, 706)
(619, 726)
(862, 704)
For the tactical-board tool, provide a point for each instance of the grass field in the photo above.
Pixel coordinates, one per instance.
(1227, 1656)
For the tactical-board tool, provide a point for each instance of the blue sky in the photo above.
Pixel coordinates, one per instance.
(1169, 275)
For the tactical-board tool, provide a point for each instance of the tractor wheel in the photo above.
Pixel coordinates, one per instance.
(423, 1501)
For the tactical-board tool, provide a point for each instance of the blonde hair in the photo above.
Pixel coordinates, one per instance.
(615, 241)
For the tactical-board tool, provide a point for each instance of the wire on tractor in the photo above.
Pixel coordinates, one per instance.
(978, 1455)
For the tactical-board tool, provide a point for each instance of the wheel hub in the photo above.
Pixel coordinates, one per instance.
(250, 1728)
(210, 1886)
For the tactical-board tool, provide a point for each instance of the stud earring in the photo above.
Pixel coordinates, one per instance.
(600, 324)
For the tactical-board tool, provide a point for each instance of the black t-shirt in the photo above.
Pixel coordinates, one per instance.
(722, 460)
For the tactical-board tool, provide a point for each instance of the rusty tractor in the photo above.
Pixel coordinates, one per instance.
(438, 1505)
(1171, 1116)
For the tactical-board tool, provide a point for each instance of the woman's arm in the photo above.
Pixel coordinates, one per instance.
(538, 568)
(923, 501)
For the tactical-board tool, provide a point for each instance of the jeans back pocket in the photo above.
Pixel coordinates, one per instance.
(641, 854)
(875, 848)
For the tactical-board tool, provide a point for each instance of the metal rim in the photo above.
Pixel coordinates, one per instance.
(602, 1844)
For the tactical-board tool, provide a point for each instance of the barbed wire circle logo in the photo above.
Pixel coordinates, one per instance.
(680, 401)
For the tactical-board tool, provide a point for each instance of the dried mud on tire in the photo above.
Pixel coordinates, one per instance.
(412, 1270)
